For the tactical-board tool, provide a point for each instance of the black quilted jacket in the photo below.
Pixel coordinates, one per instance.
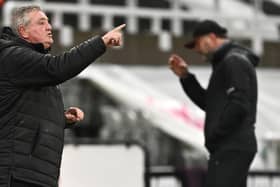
(229, 101)
(31, 108)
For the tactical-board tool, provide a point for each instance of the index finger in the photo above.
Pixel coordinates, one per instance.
(119, 28)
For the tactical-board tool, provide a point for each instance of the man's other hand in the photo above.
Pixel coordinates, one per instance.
(73, 115)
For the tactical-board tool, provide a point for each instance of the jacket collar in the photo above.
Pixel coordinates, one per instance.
(39, 47)
(220, 53)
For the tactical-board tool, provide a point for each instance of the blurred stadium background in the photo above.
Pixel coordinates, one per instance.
(129, 95)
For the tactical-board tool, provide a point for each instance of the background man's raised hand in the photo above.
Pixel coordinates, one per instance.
(178, 65)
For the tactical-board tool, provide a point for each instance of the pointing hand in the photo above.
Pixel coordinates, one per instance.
(114, 37)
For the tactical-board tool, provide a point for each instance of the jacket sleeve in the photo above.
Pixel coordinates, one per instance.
(237, 78)
(194, 90)
(26, 67)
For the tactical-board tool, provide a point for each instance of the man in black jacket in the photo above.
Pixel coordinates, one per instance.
(229, 102)
(32, 117)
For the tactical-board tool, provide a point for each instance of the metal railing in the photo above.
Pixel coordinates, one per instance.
(160, 178)
(264, 179)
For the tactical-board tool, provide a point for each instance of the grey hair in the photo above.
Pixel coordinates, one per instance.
(19, 16)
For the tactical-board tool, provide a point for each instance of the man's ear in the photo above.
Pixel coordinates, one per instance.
(212, 36)
(214, 39)
(22, 32)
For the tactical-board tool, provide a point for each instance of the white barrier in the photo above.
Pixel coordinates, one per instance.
(103, 166)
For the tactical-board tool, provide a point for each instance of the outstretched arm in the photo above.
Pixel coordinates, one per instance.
(27, 67)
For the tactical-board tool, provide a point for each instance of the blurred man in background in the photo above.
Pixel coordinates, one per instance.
(32, 117)
(229, 103)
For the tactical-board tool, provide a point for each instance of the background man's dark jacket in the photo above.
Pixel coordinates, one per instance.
(230, 101)
(31, 108)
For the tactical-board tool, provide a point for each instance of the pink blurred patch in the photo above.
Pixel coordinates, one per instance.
(182, 113)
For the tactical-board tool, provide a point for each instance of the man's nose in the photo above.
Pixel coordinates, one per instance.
(49, 26)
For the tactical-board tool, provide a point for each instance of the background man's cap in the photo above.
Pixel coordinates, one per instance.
(203, 28)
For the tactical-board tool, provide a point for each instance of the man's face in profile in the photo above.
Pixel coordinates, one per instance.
(205, 44)
(38, 30)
